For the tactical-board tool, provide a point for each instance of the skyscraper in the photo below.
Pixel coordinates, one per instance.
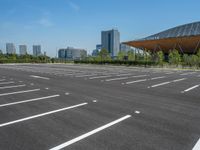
(10, 48)
(37, 50)
(22, 49)
(110, 40)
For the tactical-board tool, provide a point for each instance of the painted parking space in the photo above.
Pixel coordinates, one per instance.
(72, 106)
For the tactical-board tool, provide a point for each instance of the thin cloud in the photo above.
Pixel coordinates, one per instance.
(45, 22)
(74, 6)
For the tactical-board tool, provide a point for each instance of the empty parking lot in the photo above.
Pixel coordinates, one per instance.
(89, 107)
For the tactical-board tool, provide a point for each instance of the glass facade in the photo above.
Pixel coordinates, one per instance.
(10, 48)
(110, 40)
(37, 50)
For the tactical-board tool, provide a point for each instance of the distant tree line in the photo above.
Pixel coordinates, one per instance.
(14, 58)
(146, 58)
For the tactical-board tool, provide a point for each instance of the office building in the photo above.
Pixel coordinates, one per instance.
(37, 50)
(110, 40)
(10, 48)
(62, 53)
(22, 49)
(98, 47)
(96, 51)
(71, 53)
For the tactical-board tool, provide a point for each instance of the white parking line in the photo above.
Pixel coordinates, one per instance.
(79, 138)
(164, 83)
(119, 75)
(137, 81)
(14, 86)
(124, 78)
(115, 79)
(160, 84)
(40, 115)
(30, 100)
(2, 79)
(7, 82)
(179, 80)
(67, 93)
(143, 80)
(197, 146)
(189, 89)
(99, 77)
(137, 112)
(19, 92)
(39, 77)
(158, 78)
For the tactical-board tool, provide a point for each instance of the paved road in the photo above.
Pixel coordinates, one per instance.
(83, 107)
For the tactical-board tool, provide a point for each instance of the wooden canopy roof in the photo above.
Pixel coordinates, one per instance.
(188, 44)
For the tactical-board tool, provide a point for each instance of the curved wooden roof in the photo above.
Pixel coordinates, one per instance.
(188, 44)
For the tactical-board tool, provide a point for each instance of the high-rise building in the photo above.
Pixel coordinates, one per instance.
(10, 48)
(110, 40)
(22, 49)
(72, 53)
(62, 53)
(37, 50)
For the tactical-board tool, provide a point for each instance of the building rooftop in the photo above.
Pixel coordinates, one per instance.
(191, 29)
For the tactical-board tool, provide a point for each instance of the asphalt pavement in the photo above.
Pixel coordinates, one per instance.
(93, 107)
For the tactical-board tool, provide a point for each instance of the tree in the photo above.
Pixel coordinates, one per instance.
(131, 55)
(198, 54)
(160, 57)
(121, 55)
(147, 56)
(194, 60)
(104, 55)
(174, 57)
(186, 59)
(97, 58)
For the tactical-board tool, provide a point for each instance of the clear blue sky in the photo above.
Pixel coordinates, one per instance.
(78, 23)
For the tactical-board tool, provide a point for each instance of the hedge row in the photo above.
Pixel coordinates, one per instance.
(117, 62)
